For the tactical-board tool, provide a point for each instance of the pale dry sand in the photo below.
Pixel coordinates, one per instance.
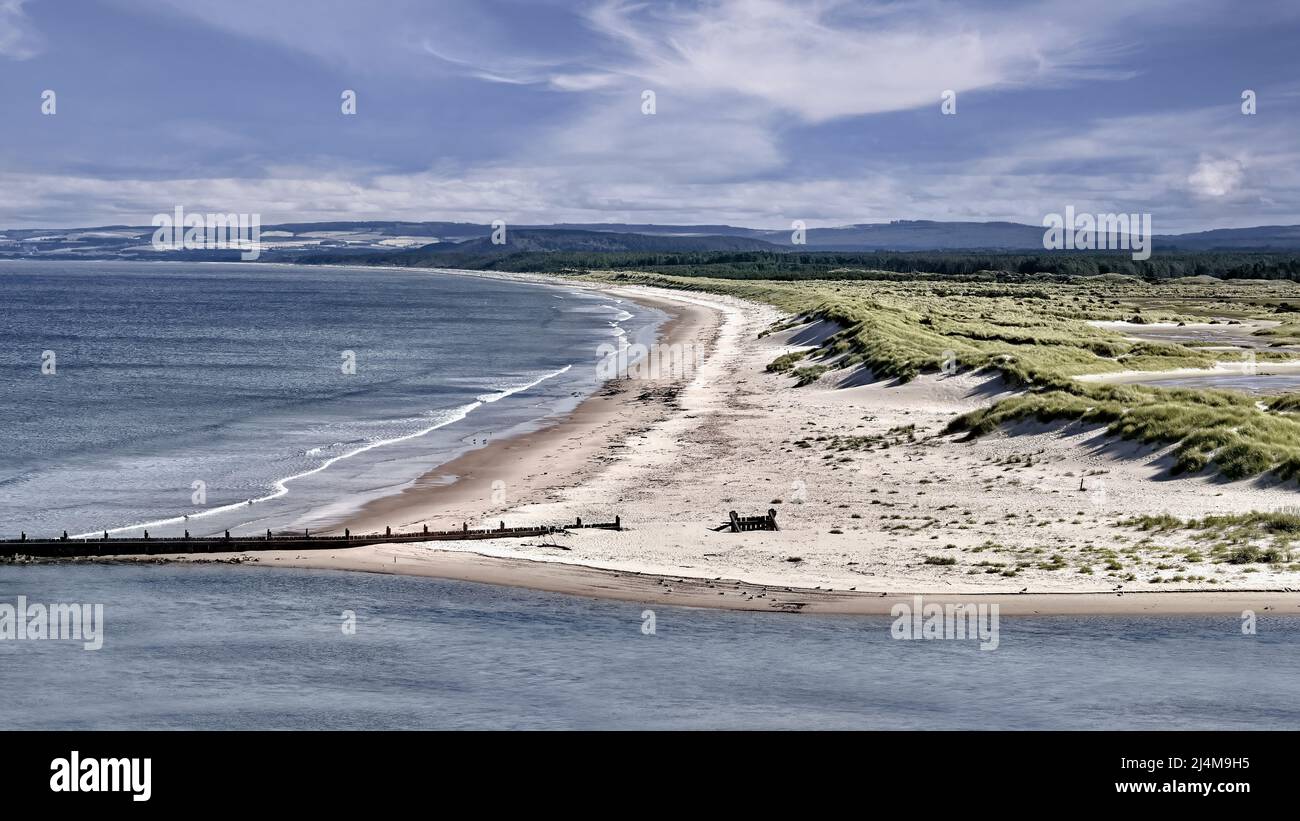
(672, 456)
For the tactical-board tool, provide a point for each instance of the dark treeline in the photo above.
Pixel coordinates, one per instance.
(854, 265)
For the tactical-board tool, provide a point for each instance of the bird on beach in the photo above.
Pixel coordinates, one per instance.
(1024, 590)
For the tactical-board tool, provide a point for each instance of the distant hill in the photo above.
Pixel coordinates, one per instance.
(522, 240)
(899, 235)
(661, 230)
(920, 235)
(377, 240)
(930, 235)
(1261, 238)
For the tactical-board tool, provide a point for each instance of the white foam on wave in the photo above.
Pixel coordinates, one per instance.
(496, 397)
(616, 324)
(281, 486)
(617, 307)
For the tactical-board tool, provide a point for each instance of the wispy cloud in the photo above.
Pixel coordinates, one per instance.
(767, 111)
(1251, 178)
(822, 60)
(19, 39)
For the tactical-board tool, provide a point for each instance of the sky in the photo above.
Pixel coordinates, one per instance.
(765, 111)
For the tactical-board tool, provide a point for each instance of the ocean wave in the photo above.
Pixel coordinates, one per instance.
(280, 487)
(496, 397)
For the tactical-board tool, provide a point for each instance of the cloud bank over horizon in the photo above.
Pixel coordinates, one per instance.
(765, 111)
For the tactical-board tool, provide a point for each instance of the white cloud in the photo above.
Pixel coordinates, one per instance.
(1216, 178)
(824, 59)
(1123, 164)
(738, 81)
(18, 38)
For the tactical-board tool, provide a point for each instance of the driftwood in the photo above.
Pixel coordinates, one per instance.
(741, 524)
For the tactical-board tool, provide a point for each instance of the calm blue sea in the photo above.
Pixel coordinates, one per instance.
(167, 375)
(249, 647)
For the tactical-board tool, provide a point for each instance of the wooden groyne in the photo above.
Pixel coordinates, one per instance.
(67, 547)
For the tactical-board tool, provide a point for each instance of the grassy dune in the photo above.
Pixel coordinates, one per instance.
(1222, 429)
(1235, 539)
(1038, 337)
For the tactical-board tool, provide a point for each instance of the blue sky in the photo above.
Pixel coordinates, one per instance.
(767, 111)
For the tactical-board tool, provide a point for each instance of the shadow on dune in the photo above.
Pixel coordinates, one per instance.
(815, 333)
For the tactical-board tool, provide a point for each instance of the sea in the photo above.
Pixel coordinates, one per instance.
(247, 397)
(238, 647)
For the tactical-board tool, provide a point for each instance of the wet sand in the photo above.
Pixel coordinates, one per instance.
(734, 594)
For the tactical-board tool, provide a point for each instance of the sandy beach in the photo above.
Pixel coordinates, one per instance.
(492, 480)
(1032, 518)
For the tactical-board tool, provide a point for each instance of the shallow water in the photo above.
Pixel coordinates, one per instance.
(237, 647)
(1258, 384)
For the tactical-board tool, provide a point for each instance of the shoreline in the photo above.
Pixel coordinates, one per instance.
(482, 482)
(671, 455)
(729, 594)
(278, 486)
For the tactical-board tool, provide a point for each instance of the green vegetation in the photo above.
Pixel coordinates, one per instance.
(1281, 522)
(810, 374)
(844, 265)
(1286, 403)
(786, 362)
(1235, 537)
